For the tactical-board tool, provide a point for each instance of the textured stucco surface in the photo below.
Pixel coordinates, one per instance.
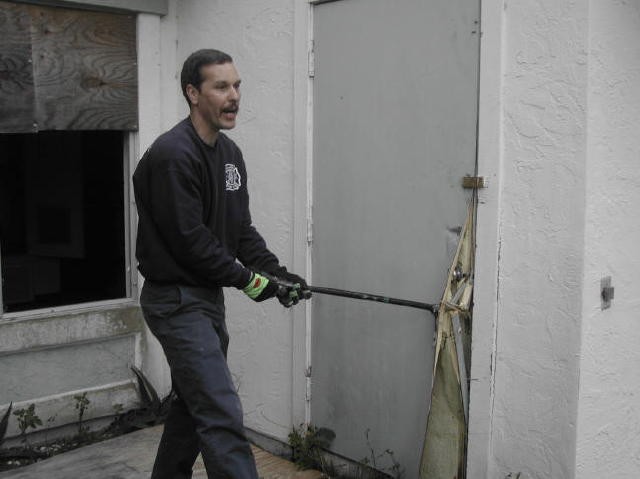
(541, 239)
(609, 407)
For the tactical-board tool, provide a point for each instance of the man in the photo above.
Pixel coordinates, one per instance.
(194, 221)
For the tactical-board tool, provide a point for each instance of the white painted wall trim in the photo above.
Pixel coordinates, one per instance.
(149, 80)
(302, 174)
(151, 126)
(486, 294)
(173, 107)
(534, 234)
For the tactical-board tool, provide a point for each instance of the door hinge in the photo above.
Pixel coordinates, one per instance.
(606, 293)
(307, 375)
(472, 182)
(309, 232)
(311, 59)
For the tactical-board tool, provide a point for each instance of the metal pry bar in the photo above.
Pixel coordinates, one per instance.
(433, 308)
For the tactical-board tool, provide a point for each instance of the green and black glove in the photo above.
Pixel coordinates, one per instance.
(293, 288)
(260, 288)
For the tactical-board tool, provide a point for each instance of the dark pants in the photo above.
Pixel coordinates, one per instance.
(207, 416)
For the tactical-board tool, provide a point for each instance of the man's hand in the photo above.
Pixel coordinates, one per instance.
(260, 288)
(288, 296)
(292, 289)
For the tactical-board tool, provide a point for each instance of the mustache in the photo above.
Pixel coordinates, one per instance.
(232, 108)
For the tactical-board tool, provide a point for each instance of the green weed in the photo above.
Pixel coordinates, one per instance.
(307, 442)
(82, 404)
(27, 418)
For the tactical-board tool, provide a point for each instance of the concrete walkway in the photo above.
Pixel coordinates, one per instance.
(131, 457)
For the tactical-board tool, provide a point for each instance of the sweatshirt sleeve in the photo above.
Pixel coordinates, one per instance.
(252, 248)
(176, 209)
(253, 251)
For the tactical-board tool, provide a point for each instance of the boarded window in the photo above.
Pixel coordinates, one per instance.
(64, 69)
(63, 193)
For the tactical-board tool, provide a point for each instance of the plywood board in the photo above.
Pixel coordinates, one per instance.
(16, 70)
(85, 69)
(160, 7)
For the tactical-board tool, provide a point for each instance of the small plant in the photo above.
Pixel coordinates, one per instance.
(396, 470)
(82, 404)
(27, 418)
(373, 460)
(307, 443)
(148, 394)
(152, 410)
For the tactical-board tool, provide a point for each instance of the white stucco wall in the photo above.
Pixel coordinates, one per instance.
(608, 442)
(558, 138)
(541, 224)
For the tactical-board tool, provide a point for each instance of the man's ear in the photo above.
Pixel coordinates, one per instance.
(193, 94)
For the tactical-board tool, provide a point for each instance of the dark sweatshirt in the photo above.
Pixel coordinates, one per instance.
(193, 209)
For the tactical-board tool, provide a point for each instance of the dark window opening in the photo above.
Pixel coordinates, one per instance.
(62, 218)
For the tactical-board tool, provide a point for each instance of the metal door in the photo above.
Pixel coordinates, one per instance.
(395, 113)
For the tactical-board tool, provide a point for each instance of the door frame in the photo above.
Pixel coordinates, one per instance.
(486, 284)
(489, 161)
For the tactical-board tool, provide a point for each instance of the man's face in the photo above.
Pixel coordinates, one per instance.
(218, 100)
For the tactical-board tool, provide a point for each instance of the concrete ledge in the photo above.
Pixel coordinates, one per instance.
(51, 329)
(59, 410)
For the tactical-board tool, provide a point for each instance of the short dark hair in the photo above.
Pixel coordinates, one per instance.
(191, 69)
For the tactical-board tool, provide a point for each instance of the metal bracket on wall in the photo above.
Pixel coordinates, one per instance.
(472, 182)
(606, 292)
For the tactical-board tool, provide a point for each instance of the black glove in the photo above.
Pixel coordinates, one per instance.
(293, 288)
(260, 288)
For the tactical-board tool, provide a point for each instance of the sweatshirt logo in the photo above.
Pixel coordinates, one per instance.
(234, 181)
